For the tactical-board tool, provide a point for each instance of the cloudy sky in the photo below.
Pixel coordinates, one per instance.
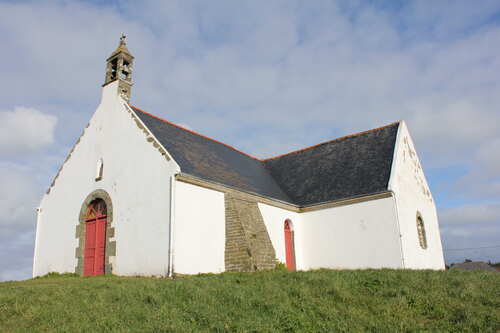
(267, 77)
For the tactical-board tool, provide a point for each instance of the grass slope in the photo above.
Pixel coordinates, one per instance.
(273, 301)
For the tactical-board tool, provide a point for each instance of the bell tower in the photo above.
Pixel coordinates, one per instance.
(119, 67)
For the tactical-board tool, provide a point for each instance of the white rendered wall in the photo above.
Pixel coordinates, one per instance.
(274, 219)
(413, 195)
(361, 235)
(199, 230)
(137, 178)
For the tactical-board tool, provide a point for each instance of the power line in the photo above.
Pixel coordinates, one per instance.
(474, 248)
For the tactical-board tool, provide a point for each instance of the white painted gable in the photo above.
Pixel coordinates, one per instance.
(413, 195)
(135, 174)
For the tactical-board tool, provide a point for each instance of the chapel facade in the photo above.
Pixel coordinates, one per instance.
(139, 195)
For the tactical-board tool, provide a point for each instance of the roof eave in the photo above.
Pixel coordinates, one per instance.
(194, 180)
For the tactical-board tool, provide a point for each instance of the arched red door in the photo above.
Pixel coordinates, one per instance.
(289, 246)
(95, 238)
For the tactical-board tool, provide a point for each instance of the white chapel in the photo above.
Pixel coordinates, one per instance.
(139, 195)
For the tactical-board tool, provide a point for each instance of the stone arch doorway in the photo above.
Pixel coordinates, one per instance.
(95, 233)
(289, 245)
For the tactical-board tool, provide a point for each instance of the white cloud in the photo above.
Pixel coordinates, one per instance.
(447, 17)
(471, 215)
(55, 50)
(488, 157)
(467, 229)
(17, 246)
(19, 195)
(483, 179)
(25, 129)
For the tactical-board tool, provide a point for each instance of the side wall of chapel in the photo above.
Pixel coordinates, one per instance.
(218, 230)
(355, 236)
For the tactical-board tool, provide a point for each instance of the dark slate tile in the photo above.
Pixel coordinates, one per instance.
(343, 168)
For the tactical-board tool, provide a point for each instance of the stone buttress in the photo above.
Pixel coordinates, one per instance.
(248, 246)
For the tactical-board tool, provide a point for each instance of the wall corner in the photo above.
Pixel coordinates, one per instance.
(392, 177)
(398, 230)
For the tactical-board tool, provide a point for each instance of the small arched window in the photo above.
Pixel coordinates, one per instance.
(422, 238)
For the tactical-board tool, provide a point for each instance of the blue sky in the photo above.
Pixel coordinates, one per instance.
(267, 77)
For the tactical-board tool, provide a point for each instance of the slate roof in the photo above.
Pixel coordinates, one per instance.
(347, 167)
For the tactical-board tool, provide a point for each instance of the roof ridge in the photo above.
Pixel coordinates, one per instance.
(195, 133)
(330, 141)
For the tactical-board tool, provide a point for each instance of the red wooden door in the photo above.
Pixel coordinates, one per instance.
(89, 258)
(289, 246)
(95, 239)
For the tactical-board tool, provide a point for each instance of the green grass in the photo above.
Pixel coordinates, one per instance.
(273, 301)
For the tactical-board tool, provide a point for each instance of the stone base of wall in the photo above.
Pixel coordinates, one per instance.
(248, 246)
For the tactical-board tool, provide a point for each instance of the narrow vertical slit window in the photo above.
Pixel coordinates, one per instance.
(99, 170)
(114, 68)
